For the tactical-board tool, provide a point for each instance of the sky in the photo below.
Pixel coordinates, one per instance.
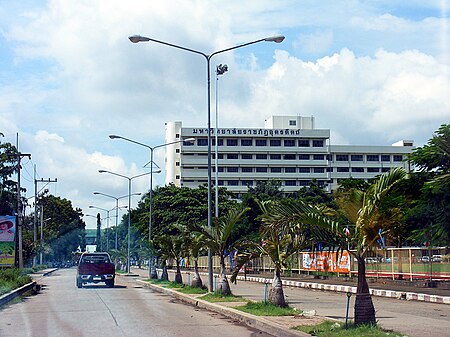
(372, 71)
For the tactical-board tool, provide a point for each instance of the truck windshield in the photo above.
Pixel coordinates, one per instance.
(95, 259)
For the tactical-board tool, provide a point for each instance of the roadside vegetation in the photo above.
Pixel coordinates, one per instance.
(267, 309)
(336, 329)
(13, 278)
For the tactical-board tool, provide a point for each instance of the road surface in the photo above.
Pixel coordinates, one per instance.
(61, 309)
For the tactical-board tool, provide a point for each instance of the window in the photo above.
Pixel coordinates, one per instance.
(220, 183)
(289, 157)
(232, 142)
(385, 169)
(290, 183)
(304, 183)
(330, 169)
(373, 157)
(233, 182)
(289, 142)
(398, 157)
(220, 169)
(303, 142)
(246, 142)
(275, 142)
(303, 156)
(246, 169)
(177, 150)
(318, 143)
(188, 143)
(357, 169)
(318, 157)
(385, 157)
(177, 163)
(177, 135)
(219, 141)
(261, 142)
(356, 157)
(261, 169)
(275, 156)
(292, 122)
(177, 177)
(304, 170)
(373, 169)
(247, 182)
(275, 169)
(342, 157)
(290, 170)
(261, 156)
(246, 156)
(232, 169)
(319, 170)
(232, 156)
(202, 142)
(219, 155)
(342, 169)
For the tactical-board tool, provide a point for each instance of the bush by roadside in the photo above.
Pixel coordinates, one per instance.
(13, 278)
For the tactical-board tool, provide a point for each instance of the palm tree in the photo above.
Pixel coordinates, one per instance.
(219, 240)
(195, 246)
(281, 238)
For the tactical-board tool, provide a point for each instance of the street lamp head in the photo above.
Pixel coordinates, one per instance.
(91, 206)
(114, 136)
(102, 171)
(189, 140)
(138, 38)
(276, 39)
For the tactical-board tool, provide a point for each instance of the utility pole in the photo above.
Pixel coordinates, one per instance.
(35, 229)
(19, 204)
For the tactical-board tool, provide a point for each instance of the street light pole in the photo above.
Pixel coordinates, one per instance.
(129, 208)
(151, 270)
(107, 224)
(117, 209)
(220, 70)
(276, 39)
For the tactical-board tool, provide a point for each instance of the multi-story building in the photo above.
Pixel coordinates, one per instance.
(288, 148)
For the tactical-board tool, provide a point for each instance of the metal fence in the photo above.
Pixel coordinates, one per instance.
(413, 263)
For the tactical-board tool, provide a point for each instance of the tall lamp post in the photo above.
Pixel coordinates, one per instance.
(220, 70)
(42, 235)
(276, 39)
(151, 271)
(129, 208)
(116, 208)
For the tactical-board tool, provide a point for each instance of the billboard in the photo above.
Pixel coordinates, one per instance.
(7, 240)
(326, 261)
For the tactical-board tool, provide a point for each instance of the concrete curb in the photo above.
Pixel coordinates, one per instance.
(339, 288)
(4, 299)
(256, 322)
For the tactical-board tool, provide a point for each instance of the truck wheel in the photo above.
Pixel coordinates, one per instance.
(110, 283)
(79, 283)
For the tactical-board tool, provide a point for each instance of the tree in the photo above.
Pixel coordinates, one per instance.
(8, 187)
(219, 240)
(372, 218)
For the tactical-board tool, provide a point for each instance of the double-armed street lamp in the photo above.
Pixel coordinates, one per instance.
(151, 271)
(129, 208)
(116, 208)
(107, 224)
(208, 57)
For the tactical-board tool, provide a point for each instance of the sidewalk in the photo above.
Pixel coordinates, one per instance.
(412, 319)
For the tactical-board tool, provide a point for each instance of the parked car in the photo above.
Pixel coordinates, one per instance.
(424, 259)
(95, 268)
(437, 258)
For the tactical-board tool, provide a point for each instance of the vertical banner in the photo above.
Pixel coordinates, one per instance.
(326, 261)
(7, 242)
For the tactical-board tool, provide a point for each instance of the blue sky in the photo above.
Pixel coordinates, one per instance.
(373, 72)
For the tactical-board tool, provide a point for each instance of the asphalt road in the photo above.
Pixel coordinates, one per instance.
(61, 309)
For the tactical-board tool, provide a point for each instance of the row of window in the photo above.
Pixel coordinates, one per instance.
(235, 169)
(306, 156)
(290, 142)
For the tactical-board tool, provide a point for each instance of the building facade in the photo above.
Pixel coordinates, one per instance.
(288, 148)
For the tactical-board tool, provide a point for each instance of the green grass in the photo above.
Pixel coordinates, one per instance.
(11, 279)
(165, 284)
(267, 309)
(335, 329)
(220, 298)
(193, 290)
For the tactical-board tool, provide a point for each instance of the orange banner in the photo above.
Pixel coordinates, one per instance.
(326, 261)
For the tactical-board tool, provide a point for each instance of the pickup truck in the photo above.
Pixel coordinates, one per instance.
(95, 268)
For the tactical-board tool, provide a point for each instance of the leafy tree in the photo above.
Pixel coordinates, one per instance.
(8, 187)
(429, 216)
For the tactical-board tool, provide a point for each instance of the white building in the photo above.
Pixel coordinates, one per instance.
(289, 148)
